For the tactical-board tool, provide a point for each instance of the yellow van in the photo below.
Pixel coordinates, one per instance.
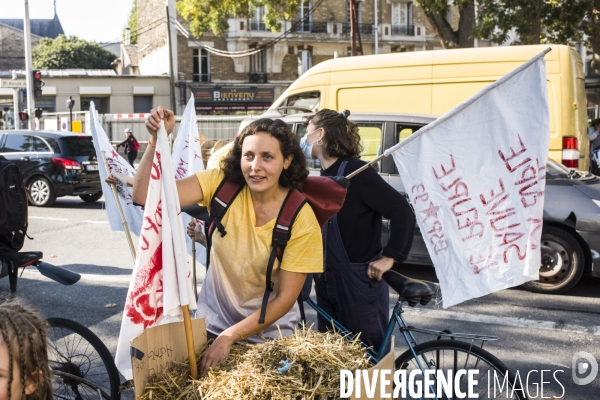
(432, 82)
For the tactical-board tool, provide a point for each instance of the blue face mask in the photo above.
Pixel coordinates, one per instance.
(307, 147)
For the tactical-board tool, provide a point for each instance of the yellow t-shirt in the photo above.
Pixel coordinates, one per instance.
(235, 282)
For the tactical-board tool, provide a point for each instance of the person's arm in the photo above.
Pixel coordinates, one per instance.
(378, 195)
(122, 143)
(189, 189)
(287, 291)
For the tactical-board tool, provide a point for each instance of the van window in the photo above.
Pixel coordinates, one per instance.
(403, 131)
(371, 136)
(308, 100)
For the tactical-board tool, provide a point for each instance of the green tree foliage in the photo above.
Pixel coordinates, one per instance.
(70, 52)
(212, 15)
(534, 21)
(132, 24)
(436, 11)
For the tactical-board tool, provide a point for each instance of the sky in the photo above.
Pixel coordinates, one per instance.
(100, 21)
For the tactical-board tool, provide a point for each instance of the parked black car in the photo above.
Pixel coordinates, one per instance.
(54, 164)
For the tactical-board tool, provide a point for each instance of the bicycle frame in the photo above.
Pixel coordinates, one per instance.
(405, 329)
(395, 319)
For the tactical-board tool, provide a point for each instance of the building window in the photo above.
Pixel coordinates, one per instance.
(201, 65)
(142, 104)
(101, 104)
(358, 12)
(304, 17)
(304, 61)
(257, 23)
(258, 62)
(402, 19)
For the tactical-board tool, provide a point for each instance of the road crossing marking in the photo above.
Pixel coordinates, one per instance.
(49, 218)
(506, 321)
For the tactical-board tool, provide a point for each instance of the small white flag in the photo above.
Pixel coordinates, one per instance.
(187, 160)
(117, 164)
(476, 180)
(161, 279)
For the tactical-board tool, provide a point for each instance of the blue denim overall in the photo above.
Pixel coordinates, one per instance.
(345, 291)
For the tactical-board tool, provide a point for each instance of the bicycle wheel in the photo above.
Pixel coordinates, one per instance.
(74, 349)
(454, 355)
(80, 388)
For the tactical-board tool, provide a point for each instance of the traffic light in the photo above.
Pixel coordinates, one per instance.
(38, 113)
(37, 83)
(23, 116)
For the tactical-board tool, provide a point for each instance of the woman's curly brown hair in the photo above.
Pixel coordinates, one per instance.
(288, 143)
(341, 138)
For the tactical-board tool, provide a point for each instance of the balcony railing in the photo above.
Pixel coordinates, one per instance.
(310, 27)
(404, 30)
(365, 29)
(257, 26)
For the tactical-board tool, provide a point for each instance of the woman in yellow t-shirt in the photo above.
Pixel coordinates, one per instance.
(267, 158)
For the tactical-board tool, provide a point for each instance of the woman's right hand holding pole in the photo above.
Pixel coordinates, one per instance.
(153, 121)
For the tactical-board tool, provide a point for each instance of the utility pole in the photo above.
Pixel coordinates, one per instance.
(376, 28)
(28, 69)
(171, 69)
(16, 120)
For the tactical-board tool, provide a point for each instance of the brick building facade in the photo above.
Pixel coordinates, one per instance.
(225, 85)
(12, 39)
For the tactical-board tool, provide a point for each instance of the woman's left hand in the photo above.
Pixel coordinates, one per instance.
(216, 353)
(377, 268)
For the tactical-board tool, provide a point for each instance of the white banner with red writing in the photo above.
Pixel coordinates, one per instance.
(117, 164)
(187, 160)
(476, 179)
(161, 279)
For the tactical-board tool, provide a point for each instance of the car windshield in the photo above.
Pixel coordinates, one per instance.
(80, 146)
(555, 170)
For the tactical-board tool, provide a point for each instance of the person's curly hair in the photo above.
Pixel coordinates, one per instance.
(342, 138)
(24, 335)
(288, 143)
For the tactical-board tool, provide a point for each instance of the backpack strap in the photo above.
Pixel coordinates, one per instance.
(219, 204)
(282, 232)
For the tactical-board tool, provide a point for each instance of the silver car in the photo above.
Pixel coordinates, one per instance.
(571, 232)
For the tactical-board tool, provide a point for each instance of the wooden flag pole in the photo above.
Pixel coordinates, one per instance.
(194, 266)
(189, 336)
(361, 169)
(121, 213)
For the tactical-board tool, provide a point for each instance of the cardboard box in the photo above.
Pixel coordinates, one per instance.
(158, 347)
(387, 363)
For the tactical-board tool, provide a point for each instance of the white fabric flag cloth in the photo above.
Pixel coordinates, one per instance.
(116, 163)
(476, 180)
(187, 160)
(161, 279)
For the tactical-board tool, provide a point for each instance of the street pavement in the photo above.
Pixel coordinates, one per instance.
(536, 332)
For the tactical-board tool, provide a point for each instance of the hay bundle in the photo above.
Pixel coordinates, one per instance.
(305, 365)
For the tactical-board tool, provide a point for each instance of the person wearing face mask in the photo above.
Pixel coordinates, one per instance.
(350, 289)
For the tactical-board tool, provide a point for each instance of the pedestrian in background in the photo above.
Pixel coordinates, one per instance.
(131, 146)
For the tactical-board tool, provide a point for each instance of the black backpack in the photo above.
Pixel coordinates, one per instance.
(13, 207)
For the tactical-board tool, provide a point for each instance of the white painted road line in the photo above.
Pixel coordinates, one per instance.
(49, 218)
(96, 222)
(505, 321)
